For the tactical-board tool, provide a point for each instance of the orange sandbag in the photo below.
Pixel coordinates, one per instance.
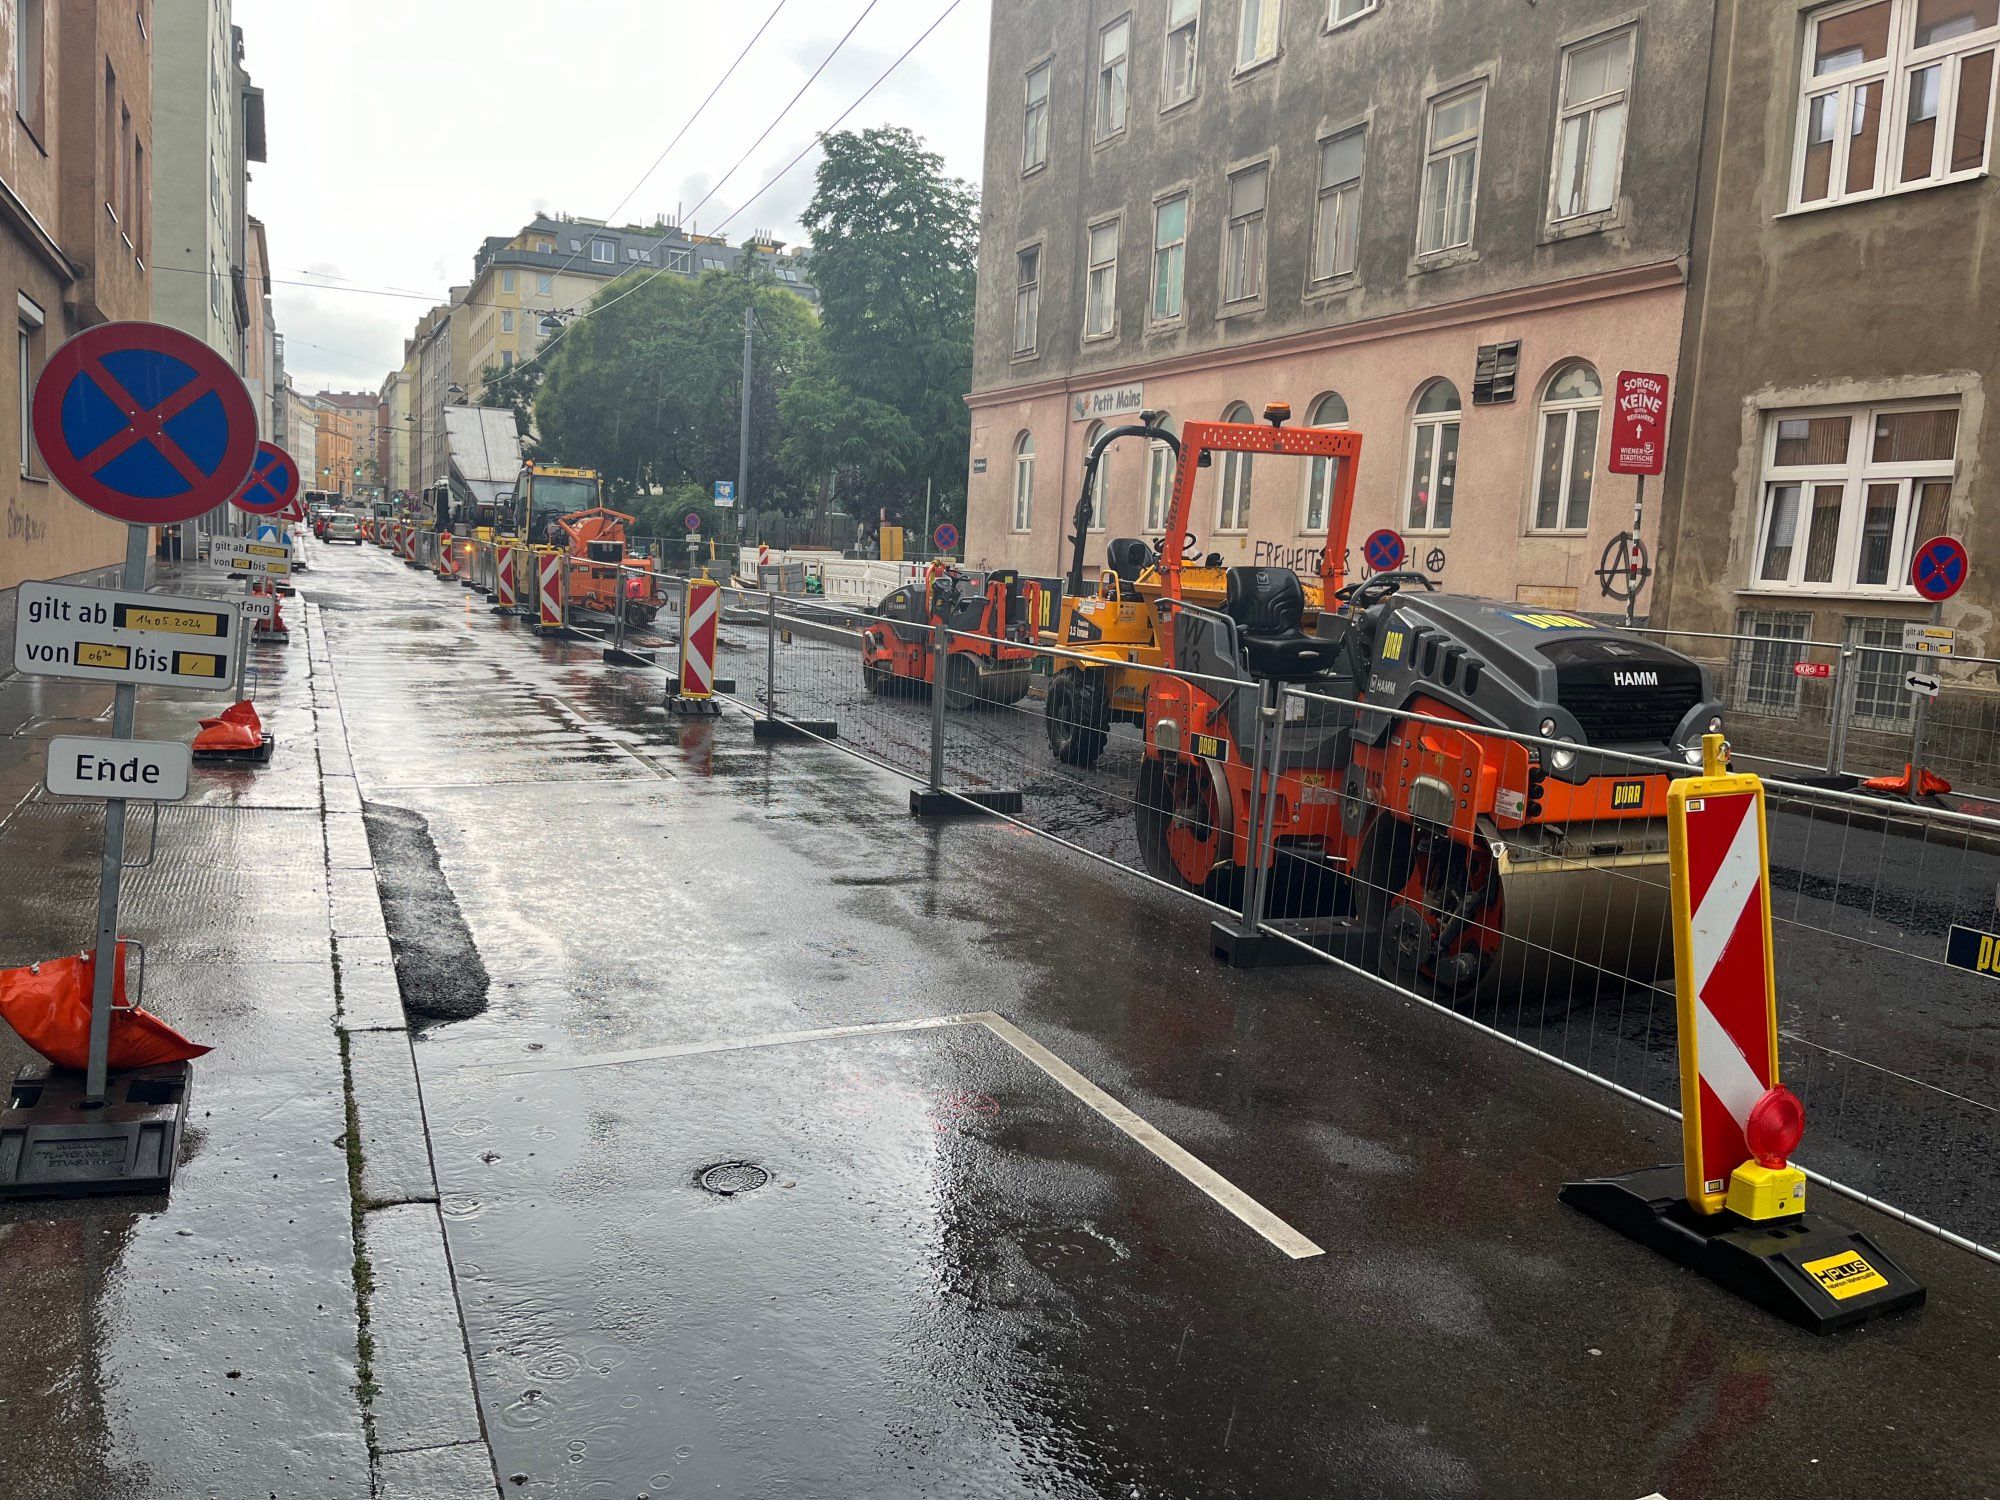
(49, 1005)
(237, 727)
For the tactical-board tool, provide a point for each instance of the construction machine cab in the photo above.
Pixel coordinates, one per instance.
(1128, 558)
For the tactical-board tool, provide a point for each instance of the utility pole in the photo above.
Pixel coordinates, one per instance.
(743, 435)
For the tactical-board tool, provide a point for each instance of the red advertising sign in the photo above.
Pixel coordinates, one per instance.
(1639, 424)
(1812, 669)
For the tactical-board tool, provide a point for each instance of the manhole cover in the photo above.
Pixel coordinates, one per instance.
(728, 1178)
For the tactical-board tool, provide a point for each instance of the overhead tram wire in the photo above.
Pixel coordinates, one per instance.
(818, 137)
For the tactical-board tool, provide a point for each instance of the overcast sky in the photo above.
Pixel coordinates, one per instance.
(403, 132)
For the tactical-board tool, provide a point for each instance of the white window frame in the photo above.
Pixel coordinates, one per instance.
(1234, 475)
(1461, 153)
(1320, 472)
(1100, 298)
(1100, 481)
(1361, 11)
(1024, 484)
(1175, 252)
(1261, 219)
(1035, 116)
(1567, 411)
(1590, 110)
(507, 321)
(1114, 81)
(610, 255)
(506, 281)
(1159, 487)
(682, 261)
(1438, 421)
(1893, 72)
(1027, 304)
(1855, 476)
(1172, 94)
(1249, 53)
(1345, 196)
(545, 285)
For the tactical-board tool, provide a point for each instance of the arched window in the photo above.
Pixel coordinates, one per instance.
(1232, 486)
(1100, 482)
(1571, 406)
(1329, 411)
(1024, 482)
(1434, 457)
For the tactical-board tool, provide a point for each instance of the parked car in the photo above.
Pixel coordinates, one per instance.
(342, 527)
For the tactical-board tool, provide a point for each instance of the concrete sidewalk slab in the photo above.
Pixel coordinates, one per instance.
(424, 1395)
(395, 1155)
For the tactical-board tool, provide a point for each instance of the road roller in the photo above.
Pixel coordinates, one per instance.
(991, 652)
(1452, 857)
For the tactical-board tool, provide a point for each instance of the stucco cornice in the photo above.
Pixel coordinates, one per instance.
(1517, 302)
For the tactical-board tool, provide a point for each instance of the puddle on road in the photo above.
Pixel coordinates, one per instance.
(438, 966)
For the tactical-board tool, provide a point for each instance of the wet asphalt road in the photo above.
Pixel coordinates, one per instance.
(959, 1279)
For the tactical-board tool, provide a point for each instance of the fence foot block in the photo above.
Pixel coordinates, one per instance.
(621, 658)
(1809, 1270)
(51, 1146)
(794, 731)
(1236, 946)
(925, 804)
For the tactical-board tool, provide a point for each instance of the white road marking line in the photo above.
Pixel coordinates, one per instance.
(1190, 1168)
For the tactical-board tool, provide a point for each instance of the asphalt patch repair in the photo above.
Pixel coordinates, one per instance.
(438, 967)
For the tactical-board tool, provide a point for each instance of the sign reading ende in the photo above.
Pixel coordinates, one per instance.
(1639, 424)
(97, 635)
(137, 770)
(1096, 406)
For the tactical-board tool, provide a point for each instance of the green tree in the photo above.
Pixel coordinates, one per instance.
(895, 246)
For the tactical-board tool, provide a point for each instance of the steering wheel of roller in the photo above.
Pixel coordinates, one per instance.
(946, 595)
(1366, 595)
(1188, 545)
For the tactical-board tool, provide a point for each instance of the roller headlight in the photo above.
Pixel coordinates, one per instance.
(1562, 759)
(1548, 729)
(1692, 755)
(1715, 724)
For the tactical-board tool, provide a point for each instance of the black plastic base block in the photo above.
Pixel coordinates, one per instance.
(792, 731)
(270, 637)
(261, 756)
(1238, 947)
(925, 804)
(1810, 1270)
(619, 658)
(51, 1146)
(694, 708)
(506, 609)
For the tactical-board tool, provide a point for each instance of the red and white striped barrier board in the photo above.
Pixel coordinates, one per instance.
(549, 576)
(503, 577)
(701, 609)
(1723, 972)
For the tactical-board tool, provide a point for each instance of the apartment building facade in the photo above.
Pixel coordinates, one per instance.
(76, 161)
(1841, 357)
(1449, 227)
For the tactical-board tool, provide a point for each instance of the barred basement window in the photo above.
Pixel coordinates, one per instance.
(1880, 700)
(1761, 680)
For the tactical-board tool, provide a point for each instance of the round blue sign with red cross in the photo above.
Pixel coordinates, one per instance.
(273, 482)
(144, 423)
(946, 536)
(1940, 568)
(1384, 551)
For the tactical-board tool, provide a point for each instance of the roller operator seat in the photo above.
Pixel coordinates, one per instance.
(1269, 608)
(1128, 557)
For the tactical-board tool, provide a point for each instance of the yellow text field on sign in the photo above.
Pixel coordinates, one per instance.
(170, 621)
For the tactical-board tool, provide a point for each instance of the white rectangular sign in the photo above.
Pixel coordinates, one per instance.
(1930, 640)
(261, 608)
(1922, 684)
(135, 770)
(100, 635)
(236, 556)
(1095, 406)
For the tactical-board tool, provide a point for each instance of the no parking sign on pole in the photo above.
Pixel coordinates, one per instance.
(273, 484)
(1384, 551)
(144, 423)
(1940, 568)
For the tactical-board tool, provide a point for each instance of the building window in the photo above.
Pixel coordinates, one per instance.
(1243, 254)
(1571, 408)
(632, 254)
(1035, 127)
(713, 263)
(1850, 494)
(1100, 319)
(1590, 127)
(646, 256)
(576, 247)
(142, 195)
(1879, 667)
(681, 260)
(506, 359)
(1169, 257)
(1761, 679)
(1183, 64)
(1257, 32)
(1434, 457)
(1100, 481)
(1159, 486)
(1897, 95)
(1232, 483)
(1024, 482)
(1340, 12)
(30, 64)
(1496, 373)
(111, 146)
(27, 337)
(1337, 223)
(1114, 48)
(1329, 411)
(506, 281)
(1027, 300)
(545, 285)
(507, 322)
(604, 252)
(1451, 171)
